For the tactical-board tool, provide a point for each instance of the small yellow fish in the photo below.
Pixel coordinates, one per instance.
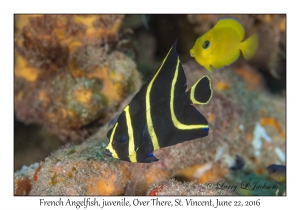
(221, 45)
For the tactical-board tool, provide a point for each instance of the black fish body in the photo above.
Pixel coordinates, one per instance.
(160, 114)
(277, 172)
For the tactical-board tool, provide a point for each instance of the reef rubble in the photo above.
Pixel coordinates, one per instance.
(239, 104)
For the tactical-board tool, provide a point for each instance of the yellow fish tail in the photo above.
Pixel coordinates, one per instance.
(249, 46)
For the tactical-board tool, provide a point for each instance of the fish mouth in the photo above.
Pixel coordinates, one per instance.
(107, 153)
(192, 53)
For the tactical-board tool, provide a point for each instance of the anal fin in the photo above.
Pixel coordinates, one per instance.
(148, 159)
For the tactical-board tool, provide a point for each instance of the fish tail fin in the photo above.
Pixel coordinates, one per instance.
(249, 46)
(200, 92)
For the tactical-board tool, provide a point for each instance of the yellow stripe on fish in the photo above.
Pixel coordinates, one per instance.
(109, 146)
(148, 109)
(131, 151)
(176, 122)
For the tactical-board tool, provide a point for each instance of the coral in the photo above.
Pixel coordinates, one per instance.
(233, 114)
(65, 77)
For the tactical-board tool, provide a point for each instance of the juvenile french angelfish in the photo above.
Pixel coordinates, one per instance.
(160, 114)
(221, 45)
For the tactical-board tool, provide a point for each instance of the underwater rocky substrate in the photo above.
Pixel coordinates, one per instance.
(244, 120)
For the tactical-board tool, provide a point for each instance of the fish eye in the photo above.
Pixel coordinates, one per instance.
(123, 139)
(206, 44)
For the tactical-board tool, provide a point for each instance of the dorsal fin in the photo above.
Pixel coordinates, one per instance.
(233, 24)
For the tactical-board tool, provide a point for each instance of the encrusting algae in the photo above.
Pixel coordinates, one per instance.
(65, 78)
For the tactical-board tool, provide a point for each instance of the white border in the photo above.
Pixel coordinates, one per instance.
(8, 201)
